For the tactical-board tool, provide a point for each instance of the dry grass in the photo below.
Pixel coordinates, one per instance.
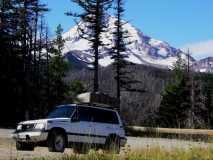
(145, 154)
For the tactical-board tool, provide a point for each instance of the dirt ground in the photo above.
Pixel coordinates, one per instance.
(9, 152)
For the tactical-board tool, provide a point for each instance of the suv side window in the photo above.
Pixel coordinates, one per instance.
(113, 118)
(85, 114)
(105, 116)
(75, 117)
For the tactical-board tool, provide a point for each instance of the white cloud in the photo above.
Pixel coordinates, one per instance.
(201, 49)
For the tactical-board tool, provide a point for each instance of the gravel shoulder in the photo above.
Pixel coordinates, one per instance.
(8, 150)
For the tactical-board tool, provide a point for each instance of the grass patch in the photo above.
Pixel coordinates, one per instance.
(145, 154)
(210, 140)
(177, 154)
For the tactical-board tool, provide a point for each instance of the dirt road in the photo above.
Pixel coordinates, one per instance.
(8, 151)
(6, 133)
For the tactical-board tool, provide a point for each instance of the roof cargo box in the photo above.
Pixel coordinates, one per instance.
(98, 99)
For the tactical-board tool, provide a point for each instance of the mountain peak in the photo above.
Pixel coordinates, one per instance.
(142, 50)
(204, 65)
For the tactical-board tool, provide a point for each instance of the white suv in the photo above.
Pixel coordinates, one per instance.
(80, 127)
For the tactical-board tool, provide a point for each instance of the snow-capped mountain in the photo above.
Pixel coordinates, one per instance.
(142, 50)
(204, 65)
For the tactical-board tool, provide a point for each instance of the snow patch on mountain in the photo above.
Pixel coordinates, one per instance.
(142, 50)
(203, 65)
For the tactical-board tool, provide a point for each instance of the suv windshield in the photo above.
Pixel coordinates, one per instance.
(62, 112)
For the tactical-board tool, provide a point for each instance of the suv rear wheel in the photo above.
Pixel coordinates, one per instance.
(56, 141)
(21, 146)
(112, 144)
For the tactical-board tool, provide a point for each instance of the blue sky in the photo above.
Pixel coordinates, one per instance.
(181, 23)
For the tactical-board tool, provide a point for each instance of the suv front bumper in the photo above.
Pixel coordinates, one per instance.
(30, 136)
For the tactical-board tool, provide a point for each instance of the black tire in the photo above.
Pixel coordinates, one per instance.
(112, 144)
(81, 149)
(21, 146)
(56, 141)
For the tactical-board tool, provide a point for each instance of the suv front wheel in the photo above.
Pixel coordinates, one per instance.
(56, 141)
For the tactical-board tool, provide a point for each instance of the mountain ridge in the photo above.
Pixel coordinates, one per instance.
(142, 50)
(203, 65)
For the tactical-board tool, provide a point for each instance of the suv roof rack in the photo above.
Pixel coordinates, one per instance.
(98, 105)
(98, 100)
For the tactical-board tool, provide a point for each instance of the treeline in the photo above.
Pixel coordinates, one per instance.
(187, 101)
(31, 65)
(93, 18)
(166, 102)
(137, 108)
(32, 71)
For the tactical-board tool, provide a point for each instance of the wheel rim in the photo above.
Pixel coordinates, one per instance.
(59, 143)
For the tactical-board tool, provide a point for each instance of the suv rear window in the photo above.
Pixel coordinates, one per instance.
(97, 115)
(105, 116)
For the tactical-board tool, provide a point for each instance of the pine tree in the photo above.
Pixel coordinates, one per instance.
(197, 111)
(207, 90)
(9, 59)
(21, 58)
(182, 103)
(94, 18)
(119, 47)
(18, 42)
(175, 100)
(47, 72)
(209, 105)
(123, 76)
(29, 14)
(57, 69)
(209, 100)
(38, 10)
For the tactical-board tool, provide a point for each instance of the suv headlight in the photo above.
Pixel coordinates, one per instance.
(19, 127)
(40, 126)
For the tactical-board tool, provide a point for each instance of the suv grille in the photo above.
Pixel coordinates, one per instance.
(27, 127)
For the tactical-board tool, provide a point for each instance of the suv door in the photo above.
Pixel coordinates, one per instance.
(81, 130)
(105, 123)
